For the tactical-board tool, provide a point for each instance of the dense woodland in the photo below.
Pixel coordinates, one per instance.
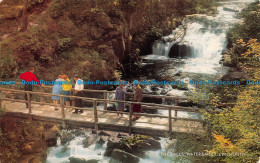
(96, 38)
(91, 38)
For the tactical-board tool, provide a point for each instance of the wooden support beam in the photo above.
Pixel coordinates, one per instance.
(176, 102)
(95, 115)
(73, 100)
(12, 93)
(62, 107)
(1, 106)
(29, 102)
(170, 120)
(130, 119)
(105, 103)
(42, 91)
(175, 115)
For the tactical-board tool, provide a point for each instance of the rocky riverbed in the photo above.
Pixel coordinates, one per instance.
(89, 146)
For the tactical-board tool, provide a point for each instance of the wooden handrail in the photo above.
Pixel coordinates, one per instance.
(105, 101)
(106, 91)
(160, 106)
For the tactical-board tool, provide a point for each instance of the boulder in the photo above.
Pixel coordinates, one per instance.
(155, 145)
(82, 160)
(113, 142)
(152, 100)
(177, 93)
(123, 156)
(104, 133)
(101, 142)
(108, 152)
(66, 137)
(236, 76)
(225, 8)
(91, 139)
(50, 138)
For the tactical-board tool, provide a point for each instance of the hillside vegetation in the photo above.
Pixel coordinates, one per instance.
(91, 38)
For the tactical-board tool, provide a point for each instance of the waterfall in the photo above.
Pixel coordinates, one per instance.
(201, 39)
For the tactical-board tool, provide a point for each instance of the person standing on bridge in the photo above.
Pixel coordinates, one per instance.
(78, 92)
(120, 95)
(56, 90)
(29, 77)
(66, 87)
(138, 96)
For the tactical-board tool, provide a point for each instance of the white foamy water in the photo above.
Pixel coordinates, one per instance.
(203, 41)
(62, 153)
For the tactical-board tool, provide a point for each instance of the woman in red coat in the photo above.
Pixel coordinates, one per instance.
(138, 96)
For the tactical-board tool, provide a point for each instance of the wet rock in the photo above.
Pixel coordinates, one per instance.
(79, 160)
(92, 161)
(94, 131)
(104, 133)
(156, 137)
(50, 138)
(123, 156)
(108, 152)
(121, 135)
(225, 8)
(66, 137)
(113, 143)
(152, 100)
(182, 48)
(91, 139)
(101, 142)
(236, 76)
(155, 145)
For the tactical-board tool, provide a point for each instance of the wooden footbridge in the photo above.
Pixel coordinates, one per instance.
(98, 117)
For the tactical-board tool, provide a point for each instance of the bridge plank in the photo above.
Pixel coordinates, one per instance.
(106, 120)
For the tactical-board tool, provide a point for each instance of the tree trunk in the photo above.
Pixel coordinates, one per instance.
(24, 18)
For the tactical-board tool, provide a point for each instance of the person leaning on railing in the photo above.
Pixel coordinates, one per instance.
(57, 90)
(138, 96)
(120, 95)
(29, 77)
(66, 87)
(78, 92)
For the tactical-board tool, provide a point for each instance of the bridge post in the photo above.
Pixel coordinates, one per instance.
(105, 103)
(170, 120)
(130, 118)
(73, 100)
(175, 115)
(95, 115)
(176, 102)
(62, 107)
(29, 102)
(12, 95)
(42, 99)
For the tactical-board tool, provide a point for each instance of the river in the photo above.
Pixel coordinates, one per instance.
(192, 51)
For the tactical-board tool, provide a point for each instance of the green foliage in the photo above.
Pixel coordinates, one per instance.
(135, 139)
(186, 148)
(249, 28)
(205, 6)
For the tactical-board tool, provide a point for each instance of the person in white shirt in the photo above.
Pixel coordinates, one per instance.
(78, 92)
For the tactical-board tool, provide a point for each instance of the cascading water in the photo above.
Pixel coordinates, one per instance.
(202, 42)
(199, 41)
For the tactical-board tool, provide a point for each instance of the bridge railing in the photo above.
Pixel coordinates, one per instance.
(105, 93)
(95, 110)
